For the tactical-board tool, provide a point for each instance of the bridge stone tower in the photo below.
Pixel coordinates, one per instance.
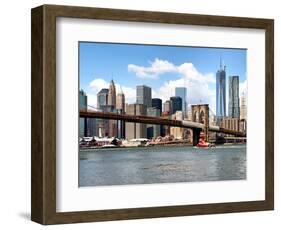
(200, 113)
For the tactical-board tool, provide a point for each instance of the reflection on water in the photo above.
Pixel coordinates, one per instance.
(161, 165)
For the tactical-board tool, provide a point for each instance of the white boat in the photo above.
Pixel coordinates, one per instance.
(126, 143)
(109, 146)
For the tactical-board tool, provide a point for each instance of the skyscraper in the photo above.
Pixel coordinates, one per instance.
(153, 131)
(92, 129)
(102, 125)
(83, 102)
(157, 103)
(120, 126)
(233, 94)
(106, 101)
(165, 130)
(135, 130)
(177, 132)
(120, 101)
(243, 107)
(112, 131)
(112, 94)
(220, 93)
(105, 125)
(181, 92)
(144, 95)
(167, 107)
(120, 108)
(102, 97)
(176, 104)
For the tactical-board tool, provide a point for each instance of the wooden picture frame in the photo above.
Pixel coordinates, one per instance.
(43, 160)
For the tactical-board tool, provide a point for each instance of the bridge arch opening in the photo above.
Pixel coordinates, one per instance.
(202, 117)
(196, 116)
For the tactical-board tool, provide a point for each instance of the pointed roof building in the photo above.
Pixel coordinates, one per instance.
(112, 94)
(120, 100)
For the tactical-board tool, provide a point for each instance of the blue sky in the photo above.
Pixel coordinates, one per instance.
(160, 67)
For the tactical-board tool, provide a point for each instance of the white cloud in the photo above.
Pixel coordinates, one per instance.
(192, 74)
(98, 84)
(197, 84)
(156, 67)
(197, 92)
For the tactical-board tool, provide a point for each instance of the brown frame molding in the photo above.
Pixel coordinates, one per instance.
(43, 157)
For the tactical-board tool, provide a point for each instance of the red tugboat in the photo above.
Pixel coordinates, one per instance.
(202, 143)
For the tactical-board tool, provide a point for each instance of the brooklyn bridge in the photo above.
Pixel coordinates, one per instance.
(199, 123)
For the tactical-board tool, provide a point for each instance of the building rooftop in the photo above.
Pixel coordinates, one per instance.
(104, 90)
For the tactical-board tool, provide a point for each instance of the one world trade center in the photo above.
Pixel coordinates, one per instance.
(220, 93)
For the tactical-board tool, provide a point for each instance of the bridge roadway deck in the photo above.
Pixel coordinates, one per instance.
(156, 121)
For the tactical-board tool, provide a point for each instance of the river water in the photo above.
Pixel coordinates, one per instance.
(146, 165)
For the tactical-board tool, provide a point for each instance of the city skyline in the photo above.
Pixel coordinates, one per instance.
(163, 73)
(134, 126)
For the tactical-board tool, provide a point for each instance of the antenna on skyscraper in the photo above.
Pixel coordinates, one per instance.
(220, 63)
(224, 66)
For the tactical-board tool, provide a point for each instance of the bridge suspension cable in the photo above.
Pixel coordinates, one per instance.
(93, 108)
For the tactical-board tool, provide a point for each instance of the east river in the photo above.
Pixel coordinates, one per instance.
(146, 165)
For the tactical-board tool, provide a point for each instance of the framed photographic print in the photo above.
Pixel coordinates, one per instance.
(140, 114)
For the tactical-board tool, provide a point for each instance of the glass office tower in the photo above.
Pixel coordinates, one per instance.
(220, 93)
(181, 92)
(144, 95)
(157, 103)
(233, 94)
(176, 104)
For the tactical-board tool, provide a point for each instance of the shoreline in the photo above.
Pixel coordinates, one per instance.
(152, 145)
